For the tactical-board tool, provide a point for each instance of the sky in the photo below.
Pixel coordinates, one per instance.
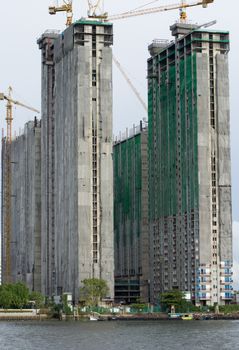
(23, 22)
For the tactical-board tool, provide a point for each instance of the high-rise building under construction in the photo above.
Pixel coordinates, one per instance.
(77, 168)
(189, 165)
(25, 215)
(131, 247)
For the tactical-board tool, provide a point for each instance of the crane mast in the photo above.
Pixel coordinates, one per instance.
(7, 189)
(66, 7)
(98, 6)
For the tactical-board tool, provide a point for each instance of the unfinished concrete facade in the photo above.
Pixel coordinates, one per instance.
(46, 44)
(189, 165)
(25, 207)
(131, 216)
(79, 107)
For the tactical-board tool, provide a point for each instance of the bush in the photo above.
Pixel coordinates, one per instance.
(228, 309)
(13, 295)
(38, 299)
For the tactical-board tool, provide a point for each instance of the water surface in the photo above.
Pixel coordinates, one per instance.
(119, 335)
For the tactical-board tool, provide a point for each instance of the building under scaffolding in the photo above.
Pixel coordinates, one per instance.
(131, 216)
(77, 169)
(25, 244)
(189, 165)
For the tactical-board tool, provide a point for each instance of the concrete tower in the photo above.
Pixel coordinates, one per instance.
(77, 144)
(189, 165)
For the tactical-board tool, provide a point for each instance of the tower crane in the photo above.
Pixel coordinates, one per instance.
(98, 6)
(182, 5)
(66, 7)
(7, 180)
(103, 16)
(94, 8)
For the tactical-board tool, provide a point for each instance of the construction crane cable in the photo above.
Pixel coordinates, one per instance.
(147, 4)
(137, 94)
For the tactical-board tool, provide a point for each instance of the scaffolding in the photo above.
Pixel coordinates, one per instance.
(130, 216)
(174, 182)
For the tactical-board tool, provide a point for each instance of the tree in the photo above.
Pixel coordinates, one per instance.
(172, 298)
(93, 291)
(139, 307)
(38, 298)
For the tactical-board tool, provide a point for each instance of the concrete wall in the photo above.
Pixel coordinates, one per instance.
(218, 142)
(204, 158)
(224, 159)
(215, 238)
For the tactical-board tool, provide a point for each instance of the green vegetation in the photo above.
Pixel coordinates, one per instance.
(17, 296)
(139, 307)
(229, 309)
(176, 298)
(93, 291)
(38, 299)
(13, 295)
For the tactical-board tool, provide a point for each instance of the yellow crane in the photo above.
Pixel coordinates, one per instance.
(182, 6)
(7, 189)
(98, 6)
(66, 7)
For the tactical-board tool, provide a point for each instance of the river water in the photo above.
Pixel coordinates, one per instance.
(119, 335)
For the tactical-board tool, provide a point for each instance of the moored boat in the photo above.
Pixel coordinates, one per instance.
(93, 318)
(174, 316)
(187, 317)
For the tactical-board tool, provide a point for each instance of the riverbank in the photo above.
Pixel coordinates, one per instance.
(35, 315)
(22, 315)
(152, 317)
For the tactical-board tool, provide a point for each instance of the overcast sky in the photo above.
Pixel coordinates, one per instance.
(22, 22)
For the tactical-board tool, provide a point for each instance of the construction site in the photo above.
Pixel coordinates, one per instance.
(131, 215)
(147, 212)
(189, 164)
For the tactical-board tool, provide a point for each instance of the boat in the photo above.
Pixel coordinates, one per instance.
(93, 318)
(174, 316)
(187, 317)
